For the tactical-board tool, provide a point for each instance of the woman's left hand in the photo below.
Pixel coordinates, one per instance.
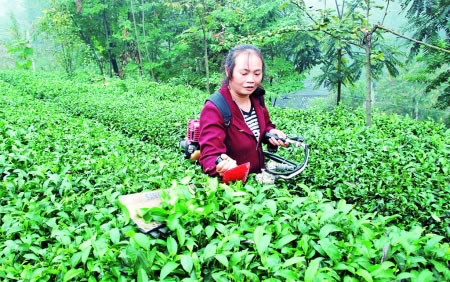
(280, 135)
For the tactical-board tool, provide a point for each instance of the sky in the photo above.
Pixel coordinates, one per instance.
(17, 7)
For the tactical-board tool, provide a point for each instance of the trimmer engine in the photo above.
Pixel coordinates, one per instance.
(190, 144)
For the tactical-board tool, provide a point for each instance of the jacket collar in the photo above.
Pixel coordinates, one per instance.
(236, 112)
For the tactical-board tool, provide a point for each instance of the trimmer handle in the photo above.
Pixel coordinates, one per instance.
(270, 135)
(289, 139)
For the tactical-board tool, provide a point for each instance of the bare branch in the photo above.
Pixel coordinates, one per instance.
(385, 12)
(302, 7)
(368, 13)
(413, 40)
(337, 9)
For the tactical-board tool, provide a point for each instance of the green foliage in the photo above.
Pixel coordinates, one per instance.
(267, 232)
(381, 168)
(281, 78)
(344, 67)
(121, 106)
(60, 178)
(405, 94)
(58, 25)
(429, 21)
(22, 50)
(68, 150)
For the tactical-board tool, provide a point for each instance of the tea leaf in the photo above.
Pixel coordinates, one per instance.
(142, 275)
(327, 229)
(262, 241)
(364, 274)
(292, 261)
(272, 206)
(330, 249)
(209, 251)
(312, 269)
(222, 259)
(181, 235)
(404, 275)
(142, 240)
(167, 269)
(186, 263)
(72, 273)
(285, 240)
(114, 235)
(209, 230)
(289, 275)
(425, 276)
(172, 246)
(250, 275)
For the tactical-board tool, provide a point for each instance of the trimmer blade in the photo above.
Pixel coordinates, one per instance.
(238, 173)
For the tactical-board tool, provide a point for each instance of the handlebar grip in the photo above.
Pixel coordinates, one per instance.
(270, 135)
(290, 139)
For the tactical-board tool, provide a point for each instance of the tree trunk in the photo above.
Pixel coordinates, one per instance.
(67, 60)
(33, 63)
(115, 66)
(205, 45)
(136, 38)
(416, 108)
(87, 40)
(367, 44)
(108, 44)
(339, 85)
(372, 93)
(368, 82)
(145, 40)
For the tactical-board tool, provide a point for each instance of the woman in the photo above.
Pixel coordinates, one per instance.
(241, 141)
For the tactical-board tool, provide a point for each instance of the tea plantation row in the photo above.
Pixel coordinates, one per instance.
(59, 219)
(398, 166)
(60, 178)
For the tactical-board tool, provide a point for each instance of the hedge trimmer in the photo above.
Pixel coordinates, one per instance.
(276, 167)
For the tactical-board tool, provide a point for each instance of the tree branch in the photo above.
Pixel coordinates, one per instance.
(412, 39)
(337, 9)
(301, 7)
(385, 12)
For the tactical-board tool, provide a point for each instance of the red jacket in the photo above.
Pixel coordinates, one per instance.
(237, 141)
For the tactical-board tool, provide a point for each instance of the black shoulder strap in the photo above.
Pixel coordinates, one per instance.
(259, 92)
(261, 101)
(223, 107)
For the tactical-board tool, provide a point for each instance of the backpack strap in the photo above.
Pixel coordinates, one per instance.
(259, 92)
(261, 101)
(218, 100)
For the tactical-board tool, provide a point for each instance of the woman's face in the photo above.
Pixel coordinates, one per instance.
(247, 73)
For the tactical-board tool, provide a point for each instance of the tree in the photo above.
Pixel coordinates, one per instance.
(20, 46)
(357, 33)
(429, 21)
(56, 24)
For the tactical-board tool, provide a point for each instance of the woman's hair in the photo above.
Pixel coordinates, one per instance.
(230, 60)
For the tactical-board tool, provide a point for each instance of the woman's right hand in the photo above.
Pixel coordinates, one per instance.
(226, 164)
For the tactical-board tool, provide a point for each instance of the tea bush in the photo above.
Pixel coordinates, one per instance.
(68, 150)
(60, 178)
(153, 112)
(397, 166)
